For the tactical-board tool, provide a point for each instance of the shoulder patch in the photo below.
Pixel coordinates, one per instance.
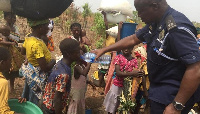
(170, 23)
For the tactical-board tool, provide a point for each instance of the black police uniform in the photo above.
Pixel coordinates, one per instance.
(171, 45)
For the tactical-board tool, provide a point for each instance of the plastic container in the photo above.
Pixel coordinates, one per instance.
(88, 111)
(24, 108)
(115, 18)
(5, 5)
(89, 57)
(127, 29)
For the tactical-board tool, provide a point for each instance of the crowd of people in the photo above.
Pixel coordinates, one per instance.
(164, 73)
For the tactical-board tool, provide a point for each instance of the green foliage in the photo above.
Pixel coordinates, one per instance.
(126, 106)
(100, 29)
(196, 24)
(135, 17)
(56, 20)
(1, 14)
(99, 43)
(99, 26)
(86, 12)
(198, 30)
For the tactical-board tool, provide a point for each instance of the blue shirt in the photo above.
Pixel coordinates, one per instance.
(165, 75)
(61, 68)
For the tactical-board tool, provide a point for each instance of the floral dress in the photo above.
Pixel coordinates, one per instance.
(111, 101)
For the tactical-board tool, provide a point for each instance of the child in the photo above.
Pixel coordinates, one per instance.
(5, 65)
(16, 56)
(125, 66)
(59, 82)
(85, 39)
(78, 89)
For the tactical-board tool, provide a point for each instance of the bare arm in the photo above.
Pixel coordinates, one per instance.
(119, 31)
(86, 41)
(44, 65)
(58, 102)
(23, 51)
(189, 85)
(79, 71)
(135, 72)
(4, 41)
(127, 42)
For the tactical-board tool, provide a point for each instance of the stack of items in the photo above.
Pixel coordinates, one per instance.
(117, 10)
(35, 9)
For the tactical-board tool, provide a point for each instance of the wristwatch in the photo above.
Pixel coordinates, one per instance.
(177, 105)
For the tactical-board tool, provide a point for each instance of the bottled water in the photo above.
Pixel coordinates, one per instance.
(90, 57)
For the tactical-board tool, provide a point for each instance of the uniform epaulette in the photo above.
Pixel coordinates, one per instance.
(170, 23)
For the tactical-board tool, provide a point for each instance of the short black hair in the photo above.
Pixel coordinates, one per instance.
(5, 54)
(75, 25)
(68, 45)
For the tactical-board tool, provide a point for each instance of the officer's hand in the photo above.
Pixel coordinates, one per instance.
(171, 110)
(98, 52)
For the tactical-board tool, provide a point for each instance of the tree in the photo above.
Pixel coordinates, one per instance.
(100, 29)
(86, 12)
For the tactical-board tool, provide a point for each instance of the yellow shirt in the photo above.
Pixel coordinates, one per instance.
(110, 40)
(4, 92)
(35, 49)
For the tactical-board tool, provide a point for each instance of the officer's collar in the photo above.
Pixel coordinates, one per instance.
(162, 22)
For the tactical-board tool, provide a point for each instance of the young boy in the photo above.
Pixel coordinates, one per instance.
(59, 82)
(5, 65)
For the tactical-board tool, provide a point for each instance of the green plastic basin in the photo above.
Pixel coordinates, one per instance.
(24, 108)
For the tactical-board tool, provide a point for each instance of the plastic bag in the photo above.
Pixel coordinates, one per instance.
(117, 6)
(113, 31)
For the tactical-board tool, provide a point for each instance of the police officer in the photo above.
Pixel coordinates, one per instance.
(173, 56)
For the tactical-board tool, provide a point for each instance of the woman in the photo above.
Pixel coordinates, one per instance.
(39, 61)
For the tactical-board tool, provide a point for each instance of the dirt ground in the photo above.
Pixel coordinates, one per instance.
(94, 97)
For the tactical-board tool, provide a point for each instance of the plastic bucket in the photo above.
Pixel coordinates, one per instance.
(127, 29)
(24, 108)
(88, 111)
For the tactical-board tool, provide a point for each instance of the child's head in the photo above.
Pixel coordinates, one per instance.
(5, 60)
(76, 29)
(10, 17)
(5, 30)
(70, 48)
(83, 33)
(127, 52)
